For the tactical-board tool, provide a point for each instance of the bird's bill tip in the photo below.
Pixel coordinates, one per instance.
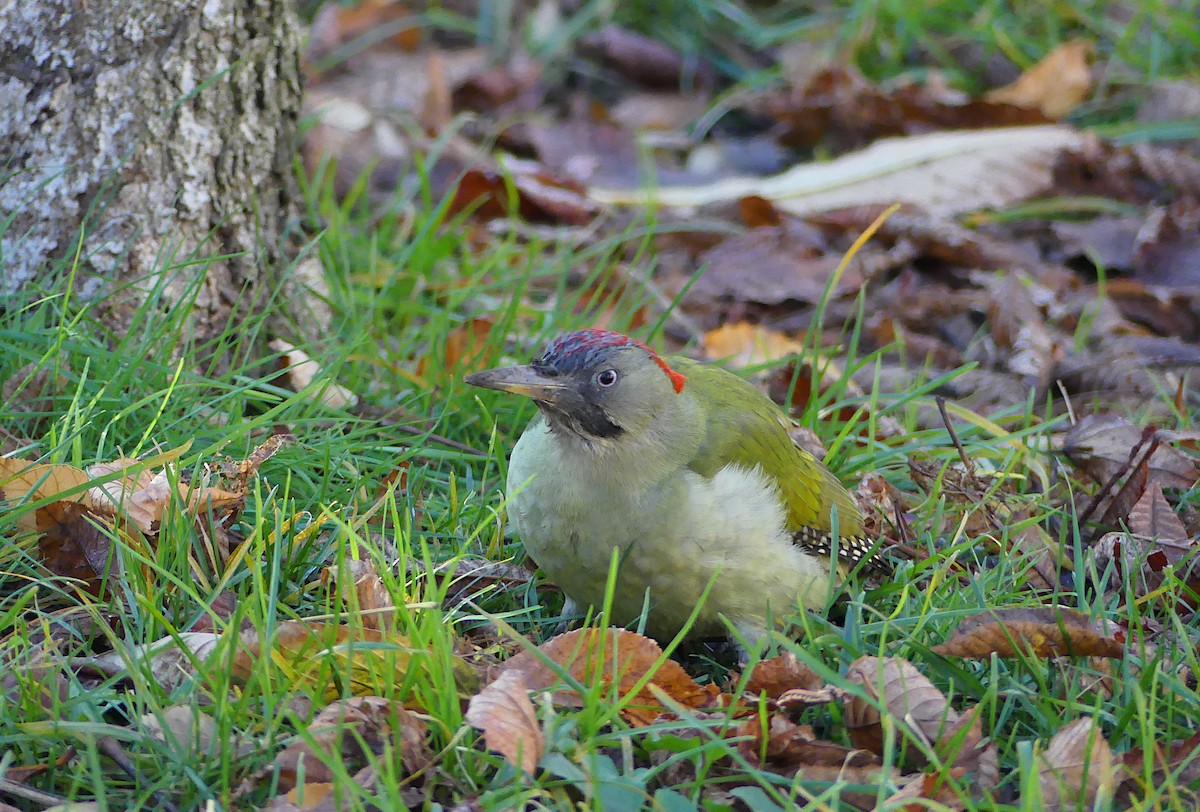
(522, 380)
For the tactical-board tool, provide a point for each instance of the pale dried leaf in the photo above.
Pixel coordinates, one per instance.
(944, 173)
(191, 732)
(373, 605)
(904, 693)
(302, 372)
(1077, 768)
(509, 723)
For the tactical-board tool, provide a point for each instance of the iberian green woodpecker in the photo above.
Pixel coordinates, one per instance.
(685, 468)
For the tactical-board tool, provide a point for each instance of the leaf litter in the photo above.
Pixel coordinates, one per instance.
(1055, 264)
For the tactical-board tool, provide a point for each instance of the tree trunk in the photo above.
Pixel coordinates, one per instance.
(153, 139)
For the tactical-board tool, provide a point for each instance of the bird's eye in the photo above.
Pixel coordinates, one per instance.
(607, 378)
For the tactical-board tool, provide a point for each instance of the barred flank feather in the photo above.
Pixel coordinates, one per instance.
(851, 550)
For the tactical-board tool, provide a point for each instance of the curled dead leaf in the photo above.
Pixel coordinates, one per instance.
(1043, 631)
(509, 723)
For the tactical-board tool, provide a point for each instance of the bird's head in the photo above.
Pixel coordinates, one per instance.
(595, 384)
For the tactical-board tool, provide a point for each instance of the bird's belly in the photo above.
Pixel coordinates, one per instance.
(673, 541)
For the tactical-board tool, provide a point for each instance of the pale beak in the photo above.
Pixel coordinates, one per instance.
(522, 380)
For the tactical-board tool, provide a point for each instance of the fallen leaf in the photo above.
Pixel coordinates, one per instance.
(1056, 85)
(782, 673)
(1156, 540)
(786, 747)
(617, 659)
(904, 693)
(1147, 767)
(528, 192)
(303, 372)
(503, 712)
(635, 56)
(372, 602)
(347, 733)
(1077, 769)
(24, 481)
(1102, 445)
(1044, 631)
(945, 174)
(1153, 516)
(190, 732)
(745, 344)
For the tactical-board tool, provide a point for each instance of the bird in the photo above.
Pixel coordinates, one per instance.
(690, 473)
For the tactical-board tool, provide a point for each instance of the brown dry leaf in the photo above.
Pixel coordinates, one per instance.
(349, 732)
(302, 372)
(1153, 516)
(1056, 85)
(794, 385)
(509, 723)
(787, 747)
(1167, 248)
(839, 107)
(1104, 445)
(943, 173)
(882, 506)
(1157, 539)
(904, 693)
(1178, 758)
(1078, 768)
(770, 266)
(1020, 331)
(930, 786)
(538, 196)
(1043, 631)
(171, 661)
(779, 674)
(617, 659)
(140, 496)
(373, 604)
(964, 747)
(636, 56)
(745, 344)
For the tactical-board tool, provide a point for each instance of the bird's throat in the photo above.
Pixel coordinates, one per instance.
(587, 421)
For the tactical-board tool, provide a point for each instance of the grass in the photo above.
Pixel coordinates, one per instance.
(400, 283)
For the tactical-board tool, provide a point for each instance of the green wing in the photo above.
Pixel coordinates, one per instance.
(748, 429)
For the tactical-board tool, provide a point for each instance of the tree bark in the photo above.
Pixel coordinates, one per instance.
(153, 140)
